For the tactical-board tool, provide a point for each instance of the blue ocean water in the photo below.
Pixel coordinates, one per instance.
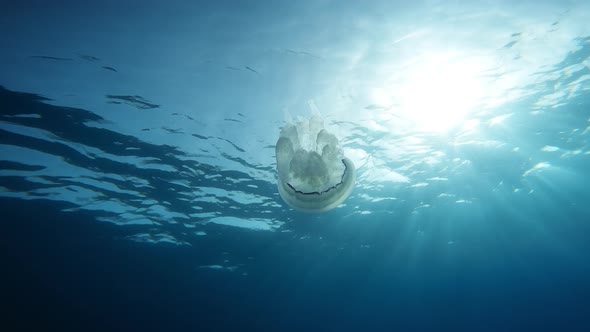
(138, 183)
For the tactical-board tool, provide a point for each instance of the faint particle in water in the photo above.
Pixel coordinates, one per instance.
(219, 267)
(549, 148)
(200, 233)
(232, 120)
(510, 44)
(109, 68)
(463, 201)
(437, 178)
(90, 58)
(377, 107)
(185, 115)
(309, 54)
(302, 53)
(212, 267)
(173, 131)
(451, 242)
(46, 57)
(252, 70)
(232, 68)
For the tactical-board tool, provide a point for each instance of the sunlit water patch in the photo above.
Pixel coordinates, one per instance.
(499, 114)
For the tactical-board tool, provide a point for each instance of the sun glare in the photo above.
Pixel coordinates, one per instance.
(435, 93)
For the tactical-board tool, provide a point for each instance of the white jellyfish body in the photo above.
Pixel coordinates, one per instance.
(314, 175)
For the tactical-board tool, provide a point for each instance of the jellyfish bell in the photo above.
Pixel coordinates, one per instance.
(314, 174)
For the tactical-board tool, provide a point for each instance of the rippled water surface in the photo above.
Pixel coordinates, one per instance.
(468, 123)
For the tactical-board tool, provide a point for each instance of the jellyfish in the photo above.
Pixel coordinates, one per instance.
(313, 173)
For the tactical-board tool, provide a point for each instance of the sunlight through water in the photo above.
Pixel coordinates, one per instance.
(436, 93)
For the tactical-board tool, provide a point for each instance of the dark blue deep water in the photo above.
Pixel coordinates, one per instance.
(138, 181)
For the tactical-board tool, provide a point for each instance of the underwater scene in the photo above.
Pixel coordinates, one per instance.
(312, 165)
